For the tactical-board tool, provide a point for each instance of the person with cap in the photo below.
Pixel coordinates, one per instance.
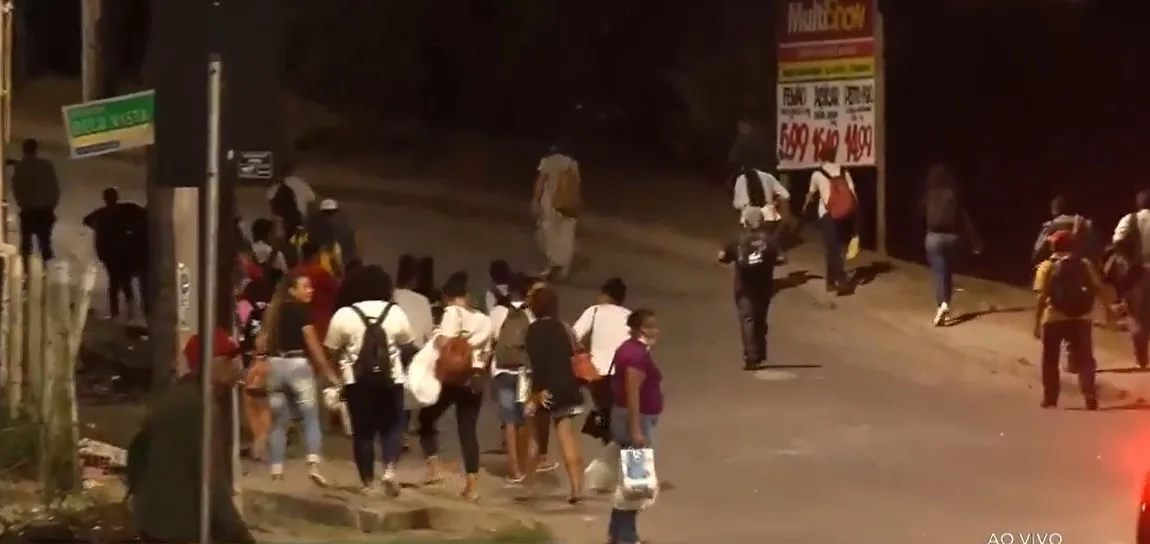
(1067, 286)
(340, 230)
(165, 457)
(754, 256)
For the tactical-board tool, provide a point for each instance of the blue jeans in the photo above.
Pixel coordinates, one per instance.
(834, 252)
(505, 388)
(624, 525)
(291, 379)
(939, 252)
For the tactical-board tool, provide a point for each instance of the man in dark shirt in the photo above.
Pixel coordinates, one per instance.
(121, 245)
(164, 458)
(754, 256)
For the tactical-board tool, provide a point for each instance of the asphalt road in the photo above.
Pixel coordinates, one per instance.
(873, 435)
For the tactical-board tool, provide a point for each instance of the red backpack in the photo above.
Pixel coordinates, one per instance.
(841, 200)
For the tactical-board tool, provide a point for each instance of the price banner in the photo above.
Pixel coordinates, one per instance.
(821, 117)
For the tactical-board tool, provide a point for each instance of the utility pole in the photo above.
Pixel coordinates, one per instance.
(880, 130)
(6, 15)
(91, 54)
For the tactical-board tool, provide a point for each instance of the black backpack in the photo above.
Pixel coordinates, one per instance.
(1071, 289)
(374, 360)
(756, 247)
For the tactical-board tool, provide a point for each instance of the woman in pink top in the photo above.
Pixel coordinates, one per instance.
(638, 388)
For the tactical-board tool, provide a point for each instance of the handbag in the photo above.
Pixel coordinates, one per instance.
(581, 365)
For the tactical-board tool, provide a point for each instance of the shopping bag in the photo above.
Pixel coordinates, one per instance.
(637, 468)
(421, 380)
(853, 248)
(602, 474)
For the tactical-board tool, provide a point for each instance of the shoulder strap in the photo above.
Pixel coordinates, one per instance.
(372, 321)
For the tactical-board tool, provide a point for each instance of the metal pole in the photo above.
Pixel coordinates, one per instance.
(90, 54)
(5, 110)
(880, 132)
(209, 255)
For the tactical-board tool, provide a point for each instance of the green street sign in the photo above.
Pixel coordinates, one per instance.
(110, 125)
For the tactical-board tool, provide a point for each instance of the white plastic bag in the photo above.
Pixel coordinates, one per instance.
(602, 474)
(638, 484)
(421, 380)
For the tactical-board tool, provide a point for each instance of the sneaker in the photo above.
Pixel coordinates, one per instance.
(315, 475)
(942, 315)
(546, 466)
(1048, 404)
(277, 472)
(370, 489)
(390, 485)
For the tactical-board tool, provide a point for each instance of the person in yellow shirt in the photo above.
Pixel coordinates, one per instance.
(1067, 286)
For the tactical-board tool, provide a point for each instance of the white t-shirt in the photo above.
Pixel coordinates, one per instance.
(489, 300)
(346, 330)
(607, 324)
(771, 188)
(498, 316)
(304, 194)
(822, 185)
(473, 325)
(418, 310)
(263, 251)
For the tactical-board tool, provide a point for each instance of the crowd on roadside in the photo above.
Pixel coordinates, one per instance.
(323, 332)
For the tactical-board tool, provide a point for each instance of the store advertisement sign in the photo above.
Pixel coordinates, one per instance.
(822, 116)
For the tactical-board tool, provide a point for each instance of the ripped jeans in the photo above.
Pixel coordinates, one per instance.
(291, 380)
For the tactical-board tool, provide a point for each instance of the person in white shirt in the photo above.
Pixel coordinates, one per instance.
(459, 320)
(761, 190)
(603, 326)
(1132, 239)
(416, 306)
(834, 232)
(508, 378)
(302, 194)
(373, 388)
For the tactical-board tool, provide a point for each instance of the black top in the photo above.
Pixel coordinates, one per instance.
(754, 280)
(121, 230)
(549, 348)
(292, 320)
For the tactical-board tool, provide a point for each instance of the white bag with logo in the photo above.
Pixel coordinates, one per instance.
(638, 483)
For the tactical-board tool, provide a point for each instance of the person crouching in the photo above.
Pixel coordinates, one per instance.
(754, 255)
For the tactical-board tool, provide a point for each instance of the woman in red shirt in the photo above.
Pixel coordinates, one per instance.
(325, 286)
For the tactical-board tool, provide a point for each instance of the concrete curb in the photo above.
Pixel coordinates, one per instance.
(413, 512)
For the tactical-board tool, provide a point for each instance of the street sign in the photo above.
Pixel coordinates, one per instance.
(255, 165)
(110, 125)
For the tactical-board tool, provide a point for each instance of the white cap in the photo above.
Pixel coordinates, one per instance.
(328, 205)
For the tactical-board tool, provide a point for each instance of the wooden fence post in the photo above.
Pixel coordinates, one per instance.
(5, 319)
(80, 304)
(34, 320)
(14, 349)
(59, 470)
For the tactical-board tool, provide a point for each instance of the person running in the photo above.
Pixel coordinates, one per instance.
(1131, 243)
(947, 223)
(638, 396)
(602, 327)
(550, 346)
(754, 256)
(510, 375)
(293, 346)
(121, 233)
(324, 286)
(834, 190)
(464, 393)
(369, 336)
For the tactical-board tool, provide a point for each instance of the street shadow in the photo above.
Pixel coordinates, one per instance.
(970, 316)
(865, 274)
(1125, 407)
(790, 367)
(794, 279)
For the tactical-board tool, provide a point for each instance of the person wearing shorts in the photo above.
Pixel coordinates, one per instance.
(509, 385)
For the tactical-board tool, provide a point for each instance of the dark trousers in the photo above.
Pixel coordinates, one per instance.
(753, 307)
(120, 282)
(37, 223)
(1077, 335)
(376, 411)
(833, 234)
(467, 404)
